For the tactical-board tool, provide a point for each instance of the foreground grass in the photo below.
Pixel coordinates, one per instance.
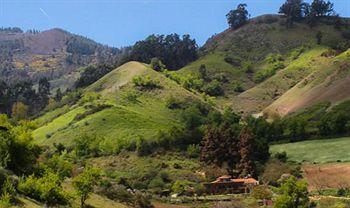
(318, 151)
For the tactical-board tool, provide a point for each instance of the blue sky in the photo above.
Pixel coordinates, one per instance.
(123, 22)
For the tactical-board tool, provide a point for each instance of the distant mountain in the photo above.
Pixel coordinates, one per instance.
(55, 54)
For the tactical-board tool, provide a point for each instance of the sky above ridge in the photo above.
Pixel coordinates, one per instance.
(123, 22)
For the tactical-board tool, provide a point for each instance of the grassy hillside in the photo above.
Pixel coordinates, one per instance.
(243, 56)
(319, 151)
(115, 110)
(329, 82)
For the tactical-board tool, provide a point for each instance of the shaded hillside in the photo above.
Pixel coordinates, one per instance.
(116, 110)
(55, 54)
(252, 56)
(330, 82)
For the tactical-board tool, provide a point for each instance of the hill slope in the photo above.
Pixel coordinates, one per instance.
(55, 54)
(265, 58)
(329, 83)
(117, 111)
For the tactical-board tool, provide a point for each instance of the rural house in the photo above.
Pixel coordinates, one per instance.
(227, 185)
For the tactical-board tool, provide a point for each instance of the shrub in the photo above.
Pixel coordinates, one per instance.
(238, 87)
(117, 192)
(145, 82)
(221, 77)
(61, 166)
(233, 61)
(193, 151)
(213, 89)
(174, 103)
(182, 187)
(130, 96)
(7, 193)
(141, 201)
(267, 72)
(247, 67)
(156, 64)
(87, 145)
(47, 189)
(281, 156)
(93, 109)
(273, 58)
(89, 97)
(261, 193)
(297, 52)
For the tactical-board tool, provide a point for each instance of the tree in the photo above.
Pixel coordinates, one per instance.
(19, 110)
(59, 95)
(261, 192)
(17, 151)
(47, 189)
(171, 49)
(156, 64)
(294, 10)
(321, 8)
(246, 150)
(293, 194)
(219, 146)
(238, 17)
(84, 183)
(43, 92)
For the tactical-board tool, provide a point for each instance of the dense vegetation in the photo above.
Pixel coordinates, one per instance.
(145, 132)
(173, 51)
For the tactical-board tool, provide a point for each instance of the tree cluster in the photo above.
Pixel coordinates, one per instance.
(21, 100)
(228, 144)
(91, 74)
(296, 10)
(174, 51)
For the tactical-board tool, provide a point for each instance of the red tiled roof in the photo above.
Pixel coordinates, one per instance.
(245, 180)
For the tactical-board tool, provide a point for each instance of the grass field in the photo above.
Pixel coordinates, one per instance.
(318, 151)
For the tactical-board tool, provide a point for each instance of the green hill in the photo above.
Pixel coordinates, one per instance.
(329, 82)
(116, 110)
(265, 58)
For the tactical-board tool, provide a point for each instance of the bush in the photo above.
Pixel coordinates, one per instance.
(87, 145)
(174, 103)
(281, 156)
(233, 61)
(238, 87)
(193, 151)
(221, 77)
(47, 189)
(261, 193)
(267, 72)
(214, 89)
(145, 82)
(182, 187)
(93, 109)
(156, 64)
(117, 192)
